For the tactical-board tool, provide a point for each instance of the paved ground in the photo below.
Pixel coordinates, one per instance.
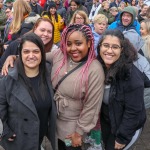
(142, 144)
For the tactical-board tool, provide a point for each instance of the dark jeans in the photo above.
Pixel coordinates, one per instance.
(107, 137)
(62, 146)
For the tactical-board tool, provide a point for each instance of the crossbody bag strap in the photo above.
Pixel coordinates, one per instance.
(64, 77)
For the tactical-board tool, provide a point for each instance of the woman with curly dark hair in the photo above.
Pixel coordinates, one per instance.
(122, 112)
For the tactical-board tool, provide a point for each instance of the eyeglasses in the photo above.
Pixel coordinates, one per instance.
(77, 18)
(113, 47)
(7, 12)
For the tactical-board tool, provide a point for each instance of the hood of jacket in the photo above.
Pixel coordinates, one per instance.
(137, 41)
(131, 11)
(32, 18)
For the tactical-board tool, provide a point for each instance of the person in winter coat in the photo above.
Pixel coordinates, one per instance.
(127, 21)
(94, 10)
(142, 62)
(9, 15)
(74, 5)
(123, 112)
(27, 108)
(35, 6)
(23, 19)
(57, 21)
(105, 11)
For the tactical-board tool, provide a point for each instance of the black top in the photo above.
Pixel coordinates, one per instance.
(42, 106)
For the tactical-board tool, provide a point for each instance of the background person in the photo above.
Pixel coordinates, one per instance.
(23, 19)
(57, 21)
(127, 21)
(44, 29)
(80, 17)
(98, 27)
(105, 11)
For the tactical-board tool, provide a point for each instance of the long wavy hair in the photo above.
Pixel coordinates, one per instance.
(49, 45)
(122, 67)
(21, 9)
(31, 37)
(87, 34)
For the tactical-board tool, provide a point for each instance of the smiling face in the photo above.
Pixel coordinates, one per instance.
(126, 19)
(73, 6)
(52, 10)
(44, 30)
(77, 46)
(100, 27)
(144, 10)
(79, 19)
(31, 56)
(108, 54)
(143, 30)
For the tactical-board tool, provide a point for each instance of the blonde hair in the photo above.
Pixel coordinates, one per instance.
(82, 14)
(100, 18)
(148, 12)
(105, 2)
(146, 46)
(20, 9)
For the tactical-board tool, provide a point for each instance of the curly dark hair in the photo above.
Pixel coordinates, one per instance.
(122, 67)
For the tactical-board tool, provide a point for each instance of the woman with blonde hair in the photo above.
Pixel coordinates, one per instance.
(80, 17)
(145, 33)
(23, 19)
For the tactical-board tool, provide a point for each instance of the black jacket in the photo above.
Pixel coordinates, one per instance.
(126, 106)
(12, 49)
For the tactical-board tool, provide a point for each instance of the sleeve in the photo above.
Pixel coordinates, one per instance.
(60, 23)
(50, 55)
(11, 50)
(134, 115)
(7, 132)
(91, 108)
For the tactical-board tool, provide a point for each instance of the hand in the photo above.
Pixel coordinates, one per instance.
(119, 146)
(62, 20)
(9, 62)
(76, 139)
(5, 46)
(12, 138)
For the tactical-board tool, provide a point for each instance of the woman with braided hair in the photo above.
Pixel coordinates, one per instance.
(78, 80)
(79, 96)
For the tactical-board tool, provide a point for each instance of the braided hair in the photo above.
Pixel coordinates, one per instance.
(87, 33)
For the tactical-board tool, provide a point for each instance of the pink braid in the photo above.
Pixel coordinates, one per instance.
(83, 74)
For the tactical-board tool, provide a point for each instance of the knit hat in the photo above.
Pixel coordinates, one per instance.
(129, 10)
(51, 5)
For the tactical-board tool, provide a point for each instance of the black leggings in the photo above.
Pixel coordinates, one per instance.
(62, 146)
